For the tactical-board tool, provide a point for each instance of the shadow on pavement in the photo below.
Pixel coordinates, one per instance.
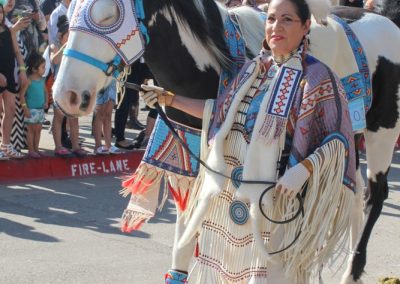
(21, 231)
(94, 204)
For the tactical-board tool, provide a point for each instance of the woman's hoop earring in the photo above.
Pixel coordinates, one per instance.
(265, 45)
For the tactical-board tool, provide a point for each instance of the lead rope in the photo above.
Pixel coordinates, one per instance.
(121, 85)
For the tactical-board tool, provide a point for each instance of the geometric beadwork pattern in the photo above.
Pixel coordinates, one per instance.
(283, 93)
(123, 35)
(357, 85)
(322, 92)
(165, 152)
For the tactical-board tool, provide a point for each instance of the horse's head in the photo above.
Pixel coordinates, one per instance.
(88, 64)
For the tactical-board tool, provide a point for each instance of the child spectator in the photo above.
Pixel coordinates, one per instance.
(56, 50)
(9, 52)
(34, 102)
(102, 120)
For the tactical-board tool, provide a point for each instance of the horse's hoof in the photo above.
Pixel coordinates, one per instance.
(349, 280)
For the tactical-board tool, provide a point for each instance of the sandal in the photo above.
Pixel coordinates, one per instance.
(80, 153)
(11, 152)
(3, 156)
(102, 150)
(115, 151)
(34, 155)
(63, 153)
(124, 144)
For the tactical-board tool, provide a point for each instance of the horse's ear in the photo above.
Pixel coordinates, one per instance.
(320, 9)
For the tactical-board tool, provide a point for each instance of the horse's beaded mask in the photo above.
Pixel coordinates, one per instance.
(123, 34)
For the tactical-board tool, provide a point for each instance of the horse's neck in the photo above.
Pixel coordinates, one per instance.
(181, 54)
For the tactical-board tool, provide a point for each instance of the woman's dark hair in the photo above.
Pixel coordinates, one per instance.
(34, 61)
(62, 25)
(4, 15)
(303, 11)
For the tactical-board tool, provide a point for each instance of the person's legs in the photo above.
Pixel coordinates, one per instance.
(121, 114)
(30, 138)
(57, 125)
(36, 141)
(65, 139)
(107, 110)
(8, 119)
(3, 156)
(74, 133)
(98, 125)
(8, 116)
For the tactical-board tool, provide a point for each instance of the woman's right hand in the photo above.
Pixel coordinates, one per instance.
(3, 80)
(152, 94)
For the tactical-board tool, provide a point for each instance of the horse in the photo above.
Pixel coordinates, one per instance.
(186, 52)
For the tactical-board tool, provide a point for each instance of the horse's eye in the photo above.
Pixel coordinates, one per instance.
(104, 13)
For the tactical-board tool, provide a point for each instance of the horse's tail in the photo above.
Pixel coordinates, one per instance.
(391, 10)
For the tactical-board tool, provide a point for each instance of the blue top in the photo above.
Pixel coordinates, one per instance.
(35, 94)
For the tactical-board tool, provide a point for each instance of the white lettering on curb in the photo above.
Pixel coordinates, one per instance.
(104, 167)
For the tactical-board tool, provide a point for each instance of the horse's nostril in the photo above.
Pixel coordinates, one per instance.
(73, 98)
(85, 100)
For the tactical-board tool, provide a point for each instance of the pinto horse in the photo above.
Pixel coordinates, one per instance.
(186, 52)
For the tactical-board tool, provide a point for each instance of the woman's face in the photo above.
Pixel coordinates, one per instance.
(284, 29)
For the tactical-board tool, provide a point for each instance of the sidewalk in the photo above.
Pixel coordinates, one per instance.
(52, 167)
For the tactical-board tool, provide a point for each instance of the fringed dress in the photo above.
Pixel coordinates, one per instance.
(228, 252)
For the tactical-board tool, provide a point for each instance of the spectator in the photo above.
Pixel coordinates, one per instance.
(9, 53)
(61, 9)
(102, 120)
(47, 7)
(32, 36)
(34, 102)
(56, 50)
(53, 38)
(139, 73)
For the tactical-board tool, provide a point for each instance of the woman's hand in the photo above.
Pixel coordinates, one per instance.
(23, 79)
(153, 94)
(293, 180)
(3, 80)
(21, 24)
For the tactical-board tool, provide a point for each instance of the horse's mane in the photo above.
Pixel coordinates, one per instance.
(204, 19)
(391, 9)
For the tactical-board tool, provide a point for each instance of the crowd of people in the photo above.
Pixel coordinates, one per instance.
(32, 38)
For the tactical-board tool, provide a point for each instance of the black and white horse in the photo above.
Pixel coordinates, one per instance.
(187, 52)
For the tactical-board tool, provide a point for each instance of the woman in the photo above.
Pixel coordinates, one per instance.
(284, 119)
(10, 54)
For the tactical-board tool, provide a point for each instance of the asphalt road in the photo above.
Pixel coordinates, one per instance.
(66, 231)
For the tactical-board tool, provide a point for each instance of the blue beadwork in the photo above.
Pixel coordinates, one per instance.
(175, 277)
(239, 212)
(237, 175)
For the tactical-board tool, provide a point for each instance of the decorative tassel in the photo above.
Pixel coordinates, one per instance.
(144, 178)
(180, 199)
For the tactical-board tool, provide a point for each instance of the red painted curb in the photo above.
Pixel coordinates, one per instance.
(55, 167)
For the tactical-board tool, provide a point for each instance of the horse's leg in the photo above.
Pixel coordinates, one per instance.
(357, 212)
(380, 146)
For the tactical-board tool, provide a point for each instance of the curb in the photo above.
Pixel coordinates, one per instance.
(60, 168)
